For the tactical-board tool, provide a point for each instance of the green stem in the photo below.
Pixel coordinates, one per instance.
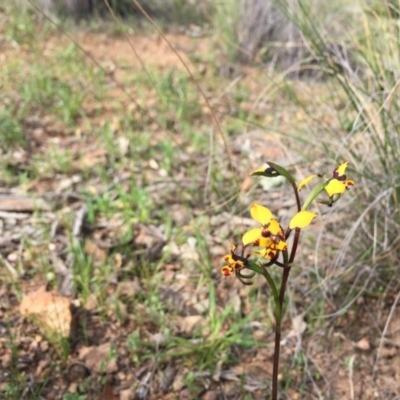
(278, 330)
(314, 193)
(278, 319)
(274, 291)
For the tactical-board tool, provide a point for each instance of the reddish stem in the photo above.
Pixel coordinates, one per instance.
(282, 290)
(276, 361)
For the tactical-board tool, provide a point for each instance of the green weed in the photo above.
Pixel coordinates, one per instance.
(11, 130)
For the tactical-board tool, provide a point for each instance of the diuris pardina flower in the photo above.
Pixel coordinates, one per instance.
(336, 185)
(271, 235)
(339, 182)
(235, 262)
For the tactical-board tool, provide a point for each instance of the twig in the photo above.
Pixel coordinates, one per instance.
(10, 268)
(67, 280)
(80, 215)
(351, 364)
(13, 215)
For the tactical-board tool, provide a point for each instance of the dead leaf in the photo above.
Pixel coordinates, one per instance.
(123, 144)
(363, 344)
(49, 309)
(188, 324)
(127, 394)
(118, 260)
(189, 251)
(128, 288)
(97, 253)
(107, 392)
(159, 339)
(153, 164)
(90, 159)
(77, 372)
(179, 381)
(99, 359)
(210, 395)
(246, 184)
(298, 326)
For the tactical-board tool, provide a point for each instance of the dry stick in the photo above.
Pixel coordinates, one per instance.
(147, 16)
(10, 268)
(76, 233)
(351, 370)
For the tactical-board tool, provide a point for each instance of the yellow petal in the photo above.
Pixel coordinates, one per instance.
(340, 170)
(335, 187)
(267, 253)
(265, 171)
(260, 214)
(251, 236)
(228, 258)
(264, 242)
(305, 181)
(262, 169)
(302, 219)
(275, 229)
(348, 183)
(281, 246)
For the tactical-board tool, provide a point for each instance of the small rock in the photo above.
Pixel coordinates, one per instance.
(363, 344)
(127, 394)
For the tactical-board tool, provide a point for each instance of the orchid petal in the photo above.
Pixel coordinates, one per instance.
(264, 242)
(274, 228)
(340, 170)
(251, 236)
(280, 246)
(302, 219)
(306, 181)
(267, 253)
(335, 187)
(260, 214)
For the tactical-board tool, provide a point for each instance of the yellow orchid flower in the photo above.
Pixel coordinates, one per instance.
(271, 235)
(339, 182)
(235, 262)
(336, 185)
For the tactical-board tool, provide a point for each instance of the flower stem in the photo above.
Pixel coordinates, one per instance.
(278, 330)
(278, 319)
(276, 359)
(296, 194)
